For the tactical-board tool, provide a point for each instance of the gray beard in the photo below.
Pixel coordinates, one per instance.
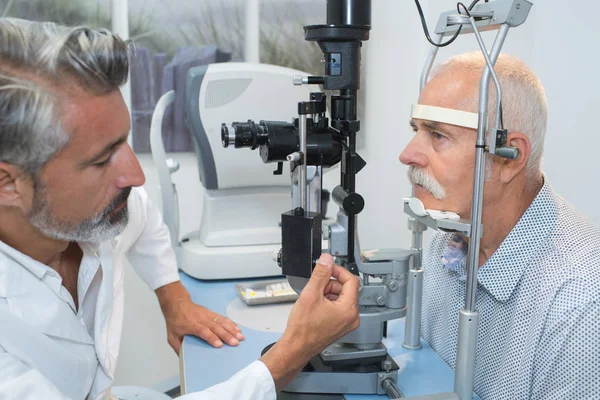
(97, 229)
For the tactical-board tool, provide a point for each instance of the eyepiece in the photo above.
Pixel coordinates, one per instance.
(227, 135)
(243, 134)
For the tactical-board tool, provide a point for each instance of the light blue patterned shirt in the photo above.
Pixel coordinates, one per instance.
(538, 297)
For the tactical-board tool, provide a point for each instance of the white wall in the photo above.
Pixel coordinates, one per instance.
(557, 41)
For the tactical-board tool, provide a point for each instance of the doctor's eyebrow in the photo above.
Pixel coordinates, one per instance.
(107, 150)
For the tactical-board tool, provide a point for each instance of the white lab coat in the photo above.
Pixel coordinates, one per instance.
(48, 350)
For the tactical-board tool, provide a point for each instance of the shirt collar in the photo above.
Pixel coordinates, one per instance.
(499, 276)
(35, 267)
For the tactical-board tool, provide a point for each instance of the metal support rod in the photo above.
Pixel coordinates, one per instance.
(468, 324)
(464, 377)
(352, 166)
(417, 229)
(429, 62)
(351, 187)
(302, 192)
(390, 388)
(350, 114)
(414, 300)
(490, 66)
(477, 201)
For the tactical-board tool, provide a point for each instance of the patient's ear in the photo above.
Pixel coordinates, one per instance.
(509, 169)
(16, 188)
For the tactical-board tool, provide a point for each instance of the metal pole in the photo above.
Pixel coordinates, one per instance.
(120, 26)
(302, 173)
(489, 63)
(414, 298)
(390, 388)
(477, 201)
(468, 325)
(429, 62)
(252, 31)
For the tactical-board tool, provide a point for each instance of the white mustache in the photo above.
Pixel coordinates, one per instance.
(418, 176)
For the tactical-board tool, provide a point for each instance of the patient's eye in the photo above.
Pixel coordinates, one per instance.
(437, 136)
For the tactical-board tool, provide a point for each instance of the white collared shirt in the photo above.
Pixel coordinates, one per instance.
(51, 350)
(45, 344)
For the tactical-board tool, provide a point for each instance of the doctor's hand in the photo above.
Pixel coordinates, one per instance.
(325, 311)
(183, 317)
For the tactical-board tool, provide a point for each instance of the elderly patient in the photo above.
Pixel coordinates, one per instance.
(71, 211)
(538, 290)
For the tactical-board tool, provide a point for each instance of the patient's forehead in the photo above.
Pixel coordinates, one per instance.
(451, 89)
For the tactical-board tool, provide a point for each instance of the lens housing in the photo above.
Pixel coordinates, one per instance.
(276, 140)
(243, 134)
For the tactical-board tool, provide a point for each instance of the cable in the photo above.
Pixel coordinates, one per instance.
(458, 5)
(426, 31)
(424, 24)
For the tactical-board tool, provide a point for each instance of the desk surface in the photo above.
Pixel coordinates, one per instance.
(422, 371)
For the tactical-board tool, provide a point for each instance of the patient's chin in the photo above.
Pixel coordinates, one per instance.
(424, 195)
(429, 201)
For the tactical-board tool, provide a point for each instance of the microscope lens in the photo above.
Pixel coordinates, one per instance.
(227, 135)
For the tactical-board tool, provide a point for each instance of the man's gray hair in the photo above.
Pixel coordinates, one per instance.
(36, 57)
(524, 104)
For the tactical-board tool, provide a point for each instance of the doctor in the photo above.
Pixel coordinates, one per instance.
(71, 211)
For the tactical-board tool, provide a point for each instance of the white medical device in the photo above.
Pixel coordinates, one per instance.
(239, 230)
